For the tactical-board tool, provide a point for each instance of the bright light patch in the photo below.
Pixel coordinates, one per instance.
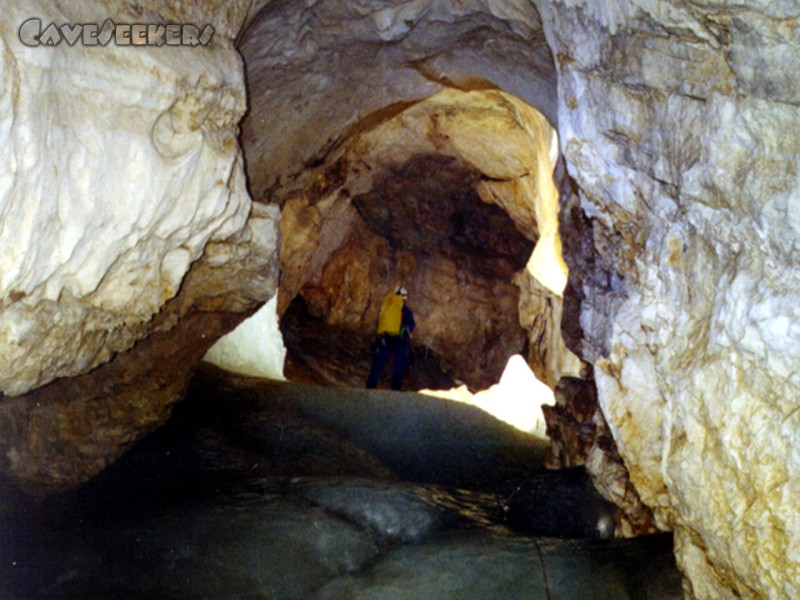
(254, 348)
(517, 399)
(547, 266)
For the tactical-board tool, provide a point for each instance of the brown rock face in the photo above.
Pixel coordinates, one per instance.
(429, 206)
(424, 225)
(454, 198)
(579, 435)
(68, 431)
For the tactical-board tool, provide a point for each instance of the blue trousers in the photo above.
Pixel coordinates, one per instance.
(388, 345)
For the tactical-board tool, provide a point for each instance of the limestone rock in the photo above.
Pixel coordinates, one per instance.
(119, 165)
(320, 72)
(471, 325)
(66, 432)
(254, 348)
(679, 124)
(580, 436)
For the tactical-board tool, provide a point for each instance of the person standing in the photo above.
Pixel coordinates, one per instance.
(395, 325)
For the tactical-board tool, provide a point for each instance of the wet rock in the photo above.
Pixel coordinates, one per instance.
(392, 512)
(560, 503)
(189, 513)
(278, 550)
(277, 546)
(419, 438)
(477, 566)
(579, 435)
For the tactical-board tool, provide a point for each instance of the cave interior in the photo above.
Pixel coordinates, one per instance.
(436, 171)
(420, 215)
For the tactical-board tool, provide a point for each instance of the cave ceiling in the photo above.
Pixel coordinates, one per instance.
(335, 68)
(429, 205)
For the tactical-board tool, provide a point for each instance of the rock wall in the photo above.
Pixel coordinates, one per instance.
(579, 436)
(69, 430)
(126, 231)
(119, 165)
(679, 123)
(448, 197)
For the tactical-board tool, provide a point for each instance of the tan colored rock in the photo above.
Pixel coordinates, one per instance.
(66, 432)
(472, 317)
(679, 125)
(121, 173)
(355, 280)
(540, 314)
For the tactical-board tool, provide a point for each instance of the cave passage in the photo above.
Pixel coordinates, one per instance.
(424, 226)
(454, 198)
(451, 195)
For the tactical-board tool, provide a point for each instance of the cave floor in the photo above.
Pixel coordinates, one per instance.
(261, 489)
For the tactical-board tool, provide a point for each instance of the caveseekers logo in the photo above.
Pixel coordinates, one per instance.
(123, 34)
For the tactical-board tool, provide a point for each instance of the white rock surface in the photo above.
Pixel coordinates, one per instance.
(254, 348)
(680, 124)
(117, 166)
(516, 399)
